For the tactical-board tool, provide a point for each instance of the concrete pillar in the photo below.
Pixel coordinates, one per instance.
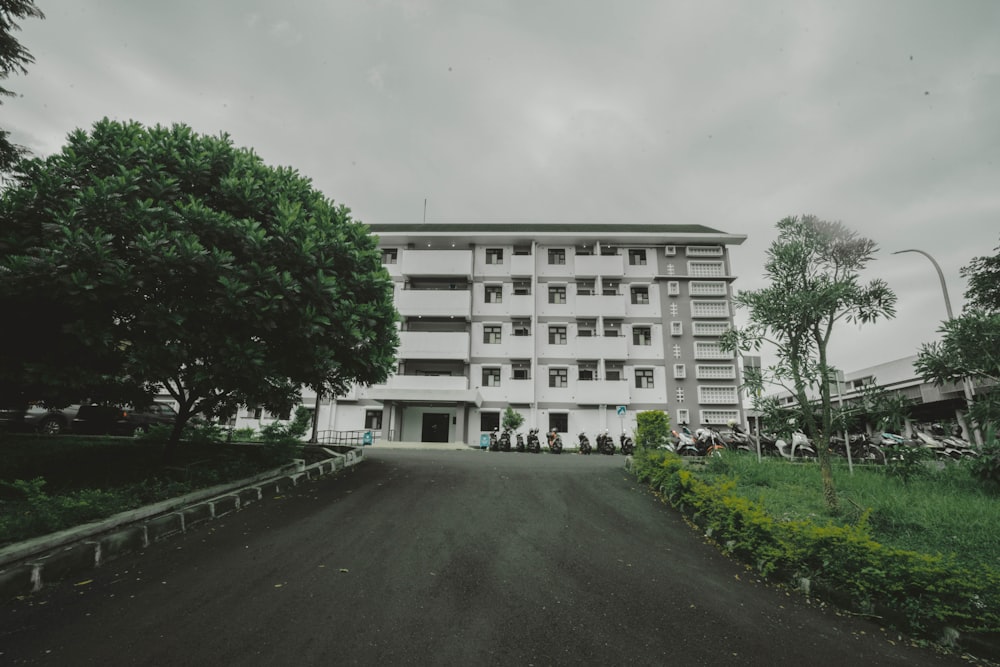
(461, 414)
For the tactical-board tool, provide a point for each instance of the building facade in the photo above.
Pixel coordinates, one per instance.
(577, 327)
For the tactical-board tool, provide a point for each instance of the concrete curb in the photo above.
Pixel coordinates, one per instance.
(27, 566)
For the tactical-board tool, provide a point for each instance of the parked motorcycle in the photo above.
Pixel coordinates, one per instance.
(505, 440)
(709, 442)
(534, 445)
(605, 443)
(494, 440)
(685, 444)
(584, 444)
(555, 442)
(520, 442)
(628, 447)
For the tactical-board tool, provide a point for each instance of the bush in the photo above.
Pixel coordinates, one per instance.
(986, 466)
(906, 463)
(652, 429)
(512, 419)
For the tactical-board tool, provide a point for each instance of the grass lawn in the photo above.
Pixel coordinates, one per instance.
(938, 511)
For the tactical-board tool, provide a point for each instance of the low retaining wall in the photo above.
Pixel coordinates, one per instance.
(28, 566)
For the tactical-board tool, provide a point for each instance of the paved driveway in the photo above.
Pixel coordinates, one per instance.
(435, 557)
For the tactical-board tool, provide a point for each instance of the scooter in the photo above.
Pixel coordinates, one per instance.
(505, 440)
(555, 442)
(628, 447)
(709, 442)
(534, 445)
(520, 442)
(605, 443)
(584, 443)
(799, 446)
(494, 441)
(685, 445)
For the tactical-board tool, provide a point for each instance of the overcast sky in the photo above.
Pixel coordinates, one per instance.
(884, 115)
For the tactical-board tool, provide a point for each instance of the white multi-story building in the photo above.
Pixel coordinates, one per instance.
(569, 324)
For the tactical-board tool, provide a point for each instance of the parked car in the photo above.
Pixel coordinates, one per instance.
(114, 420)
(37, 417)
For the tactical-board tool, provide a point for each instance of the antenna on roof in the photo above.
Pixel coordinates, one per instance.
(425, 210)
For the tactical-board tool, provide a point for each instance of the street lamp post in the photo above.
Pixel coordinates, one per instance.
(966, 383)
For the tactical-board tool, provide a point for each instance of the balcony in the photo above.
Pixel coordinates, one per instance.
(434, 345)
(510, 346)
(601, 392)
(436, 263)
(601, 347)
(434, 303)
(597, 305)
(429, 382)
(522, 265)
(587, 266)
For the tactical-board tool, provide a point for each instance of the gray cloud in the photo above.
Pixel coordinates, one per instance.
(732, 115)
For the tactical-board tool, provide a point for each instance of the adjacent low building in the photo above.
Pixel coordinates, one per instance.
(575, 326)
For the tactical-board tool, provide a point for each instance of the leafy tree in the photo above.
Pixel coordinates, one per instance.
(885, 410)
(652, 429)
(14, 58)
(970, 344)
(512, 419)
(813, 269)
(140, 258)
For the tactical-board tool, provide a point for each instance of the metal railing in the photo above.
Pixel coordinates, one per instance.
(352, 438)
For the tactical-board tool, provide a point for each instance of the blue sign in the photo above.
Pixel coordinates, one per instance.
(484, 440)
(621, 410)
(367, 438)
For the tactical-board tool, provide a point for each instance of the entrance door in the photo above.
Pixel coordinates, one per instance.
(435, 427)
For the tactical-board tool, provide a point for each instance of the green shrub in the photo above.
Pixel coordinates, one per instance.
(512, 419)
(652, 429)
(907, 463)
(986, 466)
(916, 592)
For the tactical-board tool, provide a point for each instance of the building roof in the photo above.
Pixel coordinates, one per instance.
(559, 232)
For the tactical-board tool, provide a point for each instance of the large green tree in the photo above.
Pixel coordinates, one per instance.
(813, 269)
(14, 58)
(969, 346)
(139, 258)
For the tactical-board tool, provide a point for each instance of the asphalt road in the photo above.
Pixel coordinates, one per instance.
(442, 558)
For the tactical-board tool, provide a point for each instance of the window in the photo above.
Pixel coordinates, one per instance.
(710, 350)
(637, 257)
(258, 412)
(613, 370)
(520, 369)
(557, 294)
(557, 255)
(609, 287)
(522, 287)
(494, 294)
(584, 251)
(714, 308)
(703, 251)
(389, 255)
(680, 371)
(587, 370)
(642, 335)
(640, 295)
(669, 250)
(671, 270)
(717, 395)
(586, 328)
(612, 328)
(707, 288)
(558, 377)
(644, 378)
(677, 351)
(706, 270)
(679, 395)
(673, 288)
(522, 327)
(373, 420)
(489, 421)
(491, 377)
(584, 287)
(683, 416)
(673, 309)
(715, 329)
(494, 255)
(491, 334)
(676, 328)
(608, 250)
(715, 372)
(719, 416)
(558, 421)
(557, 334)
